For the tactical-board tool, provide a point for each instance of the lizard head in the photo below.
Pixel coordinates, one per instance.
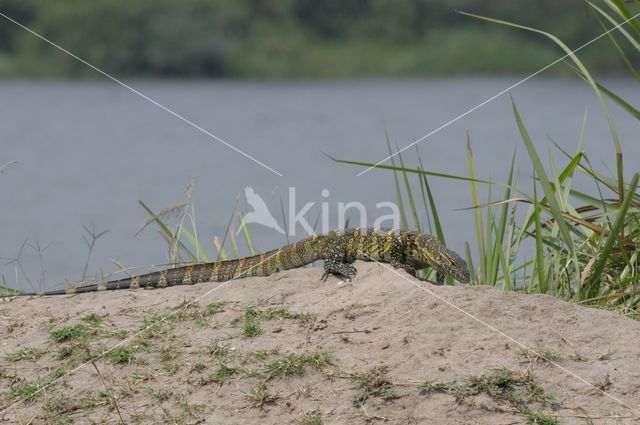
(427, 251)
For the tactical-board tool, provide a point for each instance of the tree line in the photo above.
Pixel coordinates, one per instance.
(282, 38)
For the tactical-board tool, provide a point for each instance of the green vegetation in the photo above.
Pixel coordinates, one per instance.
(28, 353)
(217, 349)
(222, 374)
(253, 317)
(121, 355)
(283, 39)
(540, 355)
(294, 364)
(259, 396)
(312, 420)
(92, 318)
(584, 242)
(373, 383)
(516, 389)
(30, 391)
(70, 333)
(251, 327)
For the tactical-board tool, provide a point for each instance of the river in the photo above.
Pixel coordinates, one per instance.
(87, 151)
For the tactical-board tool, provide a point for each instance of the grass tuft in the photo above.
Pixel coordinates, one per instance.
(259, 396)
(373, 383)
(70, 333)
(222, 374)
(121, 355)
(517, 389)
(294, 364)
(27, 353)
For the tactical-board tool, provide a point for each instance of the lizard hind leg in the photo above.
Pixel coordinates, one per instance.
(340, 268)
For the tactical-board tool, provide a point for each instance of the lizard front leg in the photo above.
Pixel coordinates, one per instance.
(332, 266)
(336, 262)
(406, 267)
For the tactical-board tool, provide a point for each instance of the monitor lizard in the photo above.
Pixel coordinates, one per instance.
(406, 249)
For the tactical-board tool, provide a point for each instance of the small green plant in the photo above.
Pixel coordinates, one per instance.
(540, 355)
(222, 374)
(70, 333)
(192, 409)
(171, 368)
(182, 239)
(30, 391)
(294, 364)
(253, 318)
(57, 406)
(25, 391)
(312, 420)
(169, 353)
(217, 349)
(516, 389)
(260, 396)
(259, 355)
(164, 394)
(538, 418)
(121, 334)
(306, 391)
(27, 353)
(92, 318)
(275, 313)
(251, 329)
(121, 355)
(158, 326)
(373, 383)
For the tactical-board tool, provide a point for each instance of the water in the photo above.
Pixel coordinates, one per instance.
(88, 151)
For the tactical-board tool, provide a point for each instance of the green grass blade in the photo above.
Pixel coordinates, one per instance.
(403, 214)
(246, 235)
(234, 241)
(412, 170)
(434, 212)
(423, 193)
(490, 278)
(583, 70)
(538, 236)
(620, 101)
(407, 186)
(555, 210)
(625, 13)
(507, 285)
(436, 219)
(500, 229)
(632, 41)
(543, 179)
(167, 232)
(578, 63)
(477, 215)
(592, 286)
(472, 269)
(193, 240)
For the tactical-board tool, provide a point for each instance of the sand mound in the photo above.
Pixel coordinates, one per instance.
(289, 349)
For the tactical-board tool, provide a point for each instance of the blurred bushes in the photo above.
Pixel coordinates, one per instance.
(282, 38)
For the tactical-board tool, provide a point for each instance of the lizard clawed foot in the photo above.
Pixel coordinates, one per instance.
(406, 267)
(343, 270)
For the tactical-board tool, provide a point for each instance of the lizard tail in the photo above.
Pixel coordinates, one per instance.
(142, 281)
